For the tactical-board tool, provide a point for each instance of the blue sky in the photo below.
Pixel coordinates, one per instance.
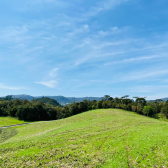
(84, 48)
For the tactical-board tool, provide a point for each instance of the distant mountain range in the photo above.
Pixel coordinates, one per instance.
(165, 99)
(65, 100)
(60, 99)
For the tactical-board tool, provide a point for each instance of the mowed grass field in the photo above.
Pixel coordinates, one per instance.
(100, 138)
(6, 121)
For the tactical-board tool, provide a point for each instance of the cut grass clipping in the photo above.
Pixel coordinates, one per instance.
(98, 138)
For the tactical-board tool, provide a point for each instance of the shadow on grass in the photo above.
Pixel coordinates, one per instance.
(7, 134)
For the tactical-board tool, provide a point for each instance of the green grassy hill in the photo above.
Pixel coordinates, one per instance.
(99, 138)
(6, 121)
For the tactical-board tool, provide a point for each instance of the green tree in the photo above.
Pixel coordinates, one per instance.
(99, 104)
(111, 99)
(156, 107)
(117, 100)
(164, 110)
(104, 104)
(147, 110)
(139, 108)
(106, 97)
(141, 101)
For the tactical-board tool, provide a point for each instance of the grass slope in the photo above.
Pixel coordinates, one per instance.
(98, 138)
(6, 121)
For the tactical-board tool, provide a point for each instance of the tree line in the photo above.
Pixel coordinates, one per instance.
(48, 109)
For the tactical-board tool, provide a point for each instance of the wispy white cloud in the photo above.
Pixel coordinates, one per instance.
(3, 86)
(142, 74)
(108, 44)
(49, 79)
(103, 6)
(94, 10)
(143, 58)
(50, 84)
(113, 31)
(77, 31)
(83, 44)
(74, 88)
(53, 72)
(14, 33)
(148, 88)
(76, 36)
(100, 48)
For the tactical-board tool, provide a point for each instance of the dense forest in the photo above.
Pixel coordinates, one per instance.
(48, 109)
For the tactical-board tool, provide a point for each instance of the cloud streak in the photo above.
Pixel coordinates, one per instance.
(140, 75)
(3, 86)
(53, 73)
(104, 6)
(129, 60)
(49, 84)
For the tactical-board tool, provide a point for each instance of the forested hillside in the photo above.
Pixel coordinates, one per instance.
(48, 109)
(47, 100)
(65, 100)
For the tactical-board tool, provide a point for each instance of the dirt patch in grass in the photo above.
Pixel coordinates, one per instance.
(6, 134)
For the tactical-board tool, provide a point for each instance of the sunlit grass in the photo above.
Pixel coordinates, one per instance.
(7, 121)
(98, 138)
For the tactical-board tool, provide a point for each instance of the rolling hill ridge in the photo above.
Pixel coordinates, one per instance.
(59, 99)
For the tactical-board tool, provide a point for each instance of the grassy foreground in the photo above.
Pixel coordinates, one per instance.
(6, 121)
(99, 138)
